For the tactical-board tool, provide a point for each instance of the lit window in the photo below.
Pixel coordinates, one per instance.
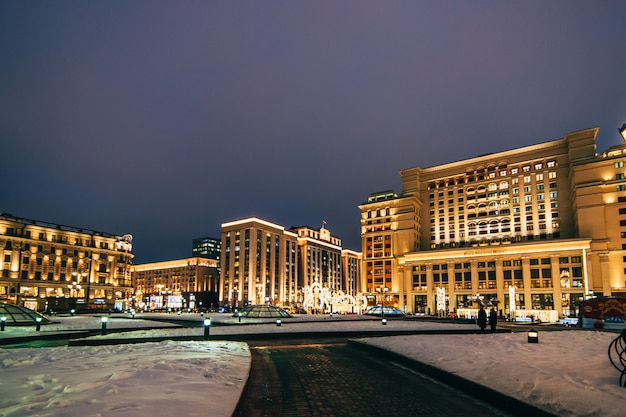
(540, 196)
(551, 164)
(528, 198)
(539, 177)
(619, 164)
(527, 179)
(502, 173)
(552, 175)
(554, 194)
(526, 168)
(538, 166)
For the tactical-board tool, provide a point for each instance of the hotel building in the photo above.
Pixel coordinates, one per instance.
(530, 231)
(47, 266)
(177, 284)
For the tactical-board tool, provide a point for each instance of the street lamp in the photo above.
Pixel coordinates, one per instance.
(382, 290)
(207, 326)
(104, 325)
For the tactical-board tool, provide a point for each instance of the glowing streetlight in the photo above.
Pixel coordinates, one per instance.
(207, 327)
(104, 325)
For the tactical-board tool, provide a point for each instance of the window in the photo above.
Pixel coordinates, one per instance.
(539, 187)
(527, 179)
(539, 177)
(514, 170)
(526, 168)
(552, 175)
(619, 164)
(619, 176)
(527, 189)
(528, 198)
(553, 194)
(551, 164)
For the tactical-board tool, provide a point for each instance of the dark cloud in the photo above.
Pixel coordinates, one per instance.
(166, 119)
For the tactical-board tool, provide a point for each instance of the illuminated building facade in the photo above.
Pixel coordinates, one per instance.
(258, 264)
(47, 266)
(177, 284)
(351, 271)
(531, 231)
(264, 263)
(319, 257)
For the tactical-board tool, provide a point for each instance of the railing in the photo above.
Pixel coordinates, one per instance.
(617, 348)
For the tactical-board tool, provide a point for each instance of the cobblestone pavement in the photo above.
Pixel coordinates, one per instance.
(326, 380)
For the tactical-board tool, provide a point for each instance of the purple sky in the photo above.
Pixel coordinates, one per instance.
(165, 119)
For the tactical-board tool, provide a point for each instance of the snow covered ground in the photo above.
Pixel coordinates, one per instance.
(567, 373)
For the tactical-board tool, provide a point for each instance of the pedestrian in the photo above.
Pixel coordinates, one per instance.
(482, 318)
(493, 319)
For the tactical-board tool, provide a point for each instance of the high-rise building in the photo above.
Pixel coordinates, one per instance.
(531, 231)
(351, 272)
(319, 257)
(48, 266)
(206, 247)
(262, 262)
(258, 263)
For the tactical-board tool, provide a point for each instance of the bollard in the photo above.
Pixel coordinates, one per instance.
(384, 322)
(38, 320)
(104, 325)
(2, 323)
(278, 322)
(239, 315)
(207, 326)
(533, 336)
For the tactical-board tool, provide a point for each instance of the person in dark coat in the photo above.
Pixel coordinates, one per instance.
(493, 319)
(482, 318)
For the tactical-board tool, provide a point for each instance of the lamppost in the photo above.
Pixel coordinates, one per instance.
(382, 290)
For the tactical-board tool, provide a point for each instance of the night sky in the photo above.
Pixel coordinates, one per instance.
(164, 119)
